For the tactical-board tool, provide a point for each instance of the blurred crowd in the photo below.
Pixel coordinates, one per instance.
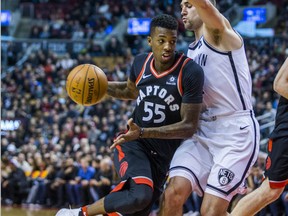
(59, 153)
(59, 146)
(89, 19)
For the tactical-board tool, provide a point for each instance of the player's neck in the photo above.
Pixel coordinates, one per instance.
(198, 33)
(160, 68)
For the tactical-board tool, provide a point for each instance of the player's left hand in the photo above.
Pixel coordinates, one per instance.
(132, 134)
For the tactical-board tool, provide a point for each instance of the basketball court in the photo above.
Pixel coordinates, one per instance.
(19, 211)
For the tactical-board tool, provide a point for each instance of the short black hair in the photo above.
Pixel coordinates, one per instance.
(163, 21)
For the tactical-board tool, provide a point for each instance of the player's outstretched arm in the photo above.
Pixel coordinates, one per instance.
(217, 30)
(180, 130)
(281, 80)
(122, 90)
(210, 15)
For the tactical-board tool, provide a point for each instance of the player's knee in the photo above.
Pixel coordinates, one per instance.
(142, 200)
(204, 211)
(142, 197)
(213, 206)
(274, 194)
(173, 196)
(212, 211)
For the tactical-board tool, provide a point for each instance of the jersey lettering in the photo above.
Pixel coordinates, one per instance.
(174, 107)
(159, 92)
(162, 93)
(155, 111)
(169, 99)
(149, 90)
(201, 59)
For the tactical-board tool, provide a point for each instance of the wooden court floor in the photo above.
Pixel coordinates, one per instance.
(20, 211)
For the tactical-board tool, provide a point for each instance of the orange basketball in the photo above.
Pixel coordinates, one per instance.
(86, 84)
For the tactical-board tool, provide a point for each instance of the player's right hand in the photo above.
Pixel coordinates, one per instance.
(132, 134)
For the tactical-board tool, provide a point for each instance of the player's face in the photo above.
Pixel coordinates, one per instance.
(163, 45)
(190, 16)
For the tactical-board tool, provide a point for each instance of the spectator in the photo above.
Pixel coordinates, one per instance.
(23, 164)
(114, 47)
(15, 186)
(38, 177)
(79, 188)
(101, 184)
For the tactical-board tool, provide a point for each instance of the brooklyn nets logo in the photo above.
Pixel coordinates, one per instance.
(225, 176)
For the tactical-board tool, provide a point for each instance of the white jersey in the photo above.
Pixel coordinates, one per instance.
(217, 158)
(227, 85)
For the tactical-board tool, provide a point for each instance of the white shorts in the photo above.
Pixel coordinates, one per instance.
(218, 157)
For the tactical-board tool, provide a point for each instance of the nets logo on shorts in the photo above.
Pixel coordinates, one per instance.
(225, 176)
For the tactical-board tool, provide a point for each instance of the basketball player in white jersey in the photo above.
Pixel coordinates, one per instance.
(215, 162)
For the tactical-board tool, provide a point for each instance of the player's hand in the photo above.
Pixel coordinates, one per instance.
(132, 134)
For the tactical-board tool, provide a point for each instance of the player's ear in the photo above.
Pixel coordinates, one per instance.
(149, 40)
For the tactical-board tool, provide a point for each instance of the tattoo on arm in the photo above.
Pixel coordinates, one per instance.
(180, 130)
(122, 90)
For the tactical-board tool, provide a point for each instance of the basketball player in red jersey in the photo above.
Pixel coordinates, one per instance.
(168, 89)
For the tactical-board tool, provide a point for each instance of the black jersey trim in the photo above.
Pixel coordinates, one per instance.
(229, 53)
(194, 45)
(143, 68)
(190, 171)
(236, 80)
(233, 69)
(248, 164)
(212, 48)
(208, 45)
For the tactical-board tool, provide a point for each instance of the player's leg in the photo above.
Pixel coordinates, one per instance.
(134, 192)
(213, 205)
(256, 200)
(159, 167)
(146, 211)
(189, 171)
(124, 202)
(273, 186)
(128, 201)
(175, 195)
(234, 151)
